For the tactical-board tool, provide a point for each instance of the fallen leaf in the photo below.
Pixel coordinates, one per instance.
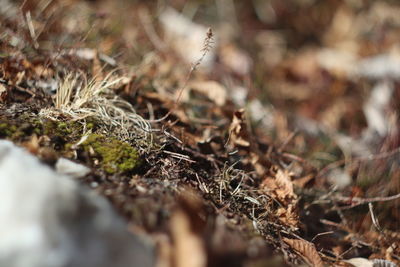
(236, 59)
(212, 89)
(280, 186)
(3, 92)
(301, 182)
(43, 71)
(285, 185)
(238, 134)
(306, 250)
(186, 231)
(164, 251)
(288, 215)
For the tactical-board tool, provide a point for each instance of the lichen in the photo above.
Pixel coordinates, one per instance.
(115, 156)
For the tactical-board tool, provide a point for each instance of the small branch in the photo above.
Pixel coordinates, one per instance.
(355, 201)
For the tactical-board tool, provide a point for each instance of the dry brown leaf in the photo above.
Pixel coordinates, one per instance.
(3, 92)
(304, 65)
(291, 91)
(164, 250)
(235, 58)
(212, 89)
(285, 184)
(189, 248)
(281, 188)
(32, 145)
(288, 215)
(186, 229)
(19, 77)
(344, 30)
(43, 71)
(306, 250)
(256, 162)
(333, 115)
(237, 130)
(301, 182)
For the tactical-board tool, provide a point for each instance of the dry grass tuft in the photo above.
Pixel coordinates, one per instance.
(79, 98)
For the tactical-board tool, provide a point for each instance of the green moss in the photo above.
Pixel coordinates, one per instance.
(116, 156)
(7, 130)
(24, 126)
(90, 125)
(66, 129)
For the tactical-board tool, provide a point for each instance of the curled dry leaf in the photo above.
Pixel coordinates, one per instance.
(238, 134)
(306, 250)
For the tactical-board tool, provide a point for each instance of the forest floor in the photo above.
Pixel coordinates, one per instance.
(231, 133)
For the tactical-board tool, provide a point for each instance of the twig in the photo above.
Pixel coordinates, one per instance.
(179, 156)
(373, 217)
(287, 141)
(31, 28)
(320, 234)
(360, 201)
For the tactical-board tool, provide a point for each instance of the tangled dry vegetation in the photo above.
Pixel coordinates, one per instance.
(224, 152)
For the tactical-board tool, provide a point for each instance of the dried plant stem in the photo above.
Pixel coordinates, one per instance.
(207, 45)
(355, 201)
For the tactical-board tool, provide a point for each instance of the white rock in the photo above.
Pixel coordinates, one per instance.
(360, 262)
(47, 220)
(68, 167)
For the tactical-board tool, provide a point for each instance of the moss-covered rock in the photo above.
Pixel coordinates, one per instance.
(115, 156)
